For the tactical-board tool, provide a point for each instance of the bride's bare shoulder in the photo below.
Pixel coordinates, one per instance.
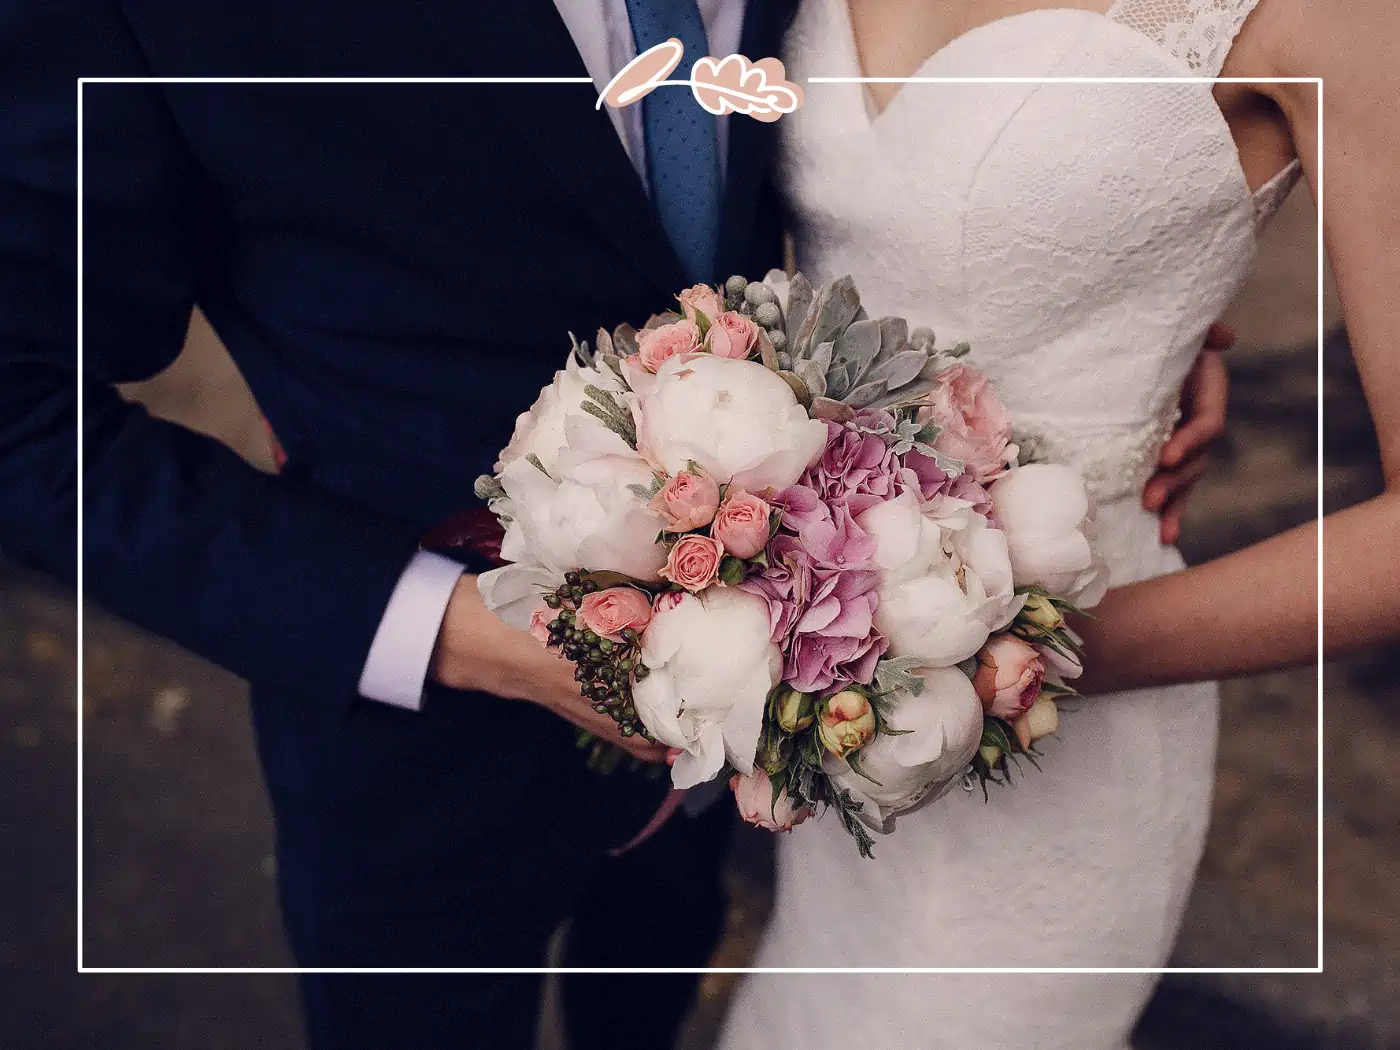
(1317, 38)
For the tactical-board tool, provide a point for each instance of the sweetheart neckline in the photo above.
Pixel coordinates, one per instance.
(853, 46)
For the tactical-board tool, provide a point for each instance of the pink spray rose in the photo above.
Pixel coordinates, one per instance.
(701, 298)
(976, 428)
(609, 612)
(732, 335)
(754, 796)
(540, 620)
(742, 524)
(656, 346)
(687, 501)
(1009, 676)
(694, 562)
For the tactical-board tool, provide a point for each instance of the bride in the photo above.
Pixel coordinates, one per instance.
(1081, 237)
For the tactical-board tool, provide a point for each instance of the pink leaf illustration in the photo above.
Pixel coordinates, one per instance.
(735, 85)
(642, 75)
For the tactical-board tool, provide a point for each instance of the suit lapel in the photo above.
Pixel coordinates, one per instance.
(575, 143)
(751, 142)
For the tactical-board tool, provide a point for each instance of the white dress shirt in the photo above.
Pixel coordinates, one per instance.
(397, 665)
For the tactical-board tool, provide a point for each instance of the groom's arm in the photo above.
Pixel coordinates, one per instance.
(275, 582)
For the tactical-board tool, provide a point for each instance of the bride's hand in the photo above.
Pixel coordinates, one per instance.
(477, 651)
(1184, 458)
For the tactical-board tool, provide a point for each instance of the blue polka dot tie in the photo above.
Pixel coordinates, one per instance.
(681, 139)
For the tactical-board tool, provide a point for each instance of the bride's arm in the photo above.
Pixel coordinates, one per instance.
(1256, 610)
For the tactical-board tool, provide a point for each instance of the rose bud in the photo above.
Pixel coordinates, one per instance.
(694, 562)
(847, 723)
(795, 710)
(656, 346)
(732, 335)
(742, 524)
(1042, 719)
(754, 796)
(702, 299)
(776, 756)
(1009, 676)
(687, 501)
(609, 612)
(1040, 614)
(540, 620)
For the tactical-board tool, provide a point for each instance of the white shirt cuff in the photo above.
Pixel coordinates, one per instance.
(397, 665)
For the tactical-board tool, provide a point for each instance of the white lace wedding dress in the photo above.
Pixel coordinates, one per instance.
(1082, 237)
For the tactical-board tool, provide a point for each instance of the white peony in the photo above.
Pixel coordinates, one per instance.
(593, 516)
(737, 420)
(1047, 516)
(981, 552)
(711, 667)
(945, 584)
(557, 419)
(942, 730)
(514, 592)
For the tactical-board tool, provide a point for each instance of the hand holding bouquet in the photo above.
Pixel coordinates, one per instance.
(796, 544)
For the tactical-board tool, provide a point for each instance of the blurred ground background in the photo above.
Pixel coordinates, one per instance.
(178, 866)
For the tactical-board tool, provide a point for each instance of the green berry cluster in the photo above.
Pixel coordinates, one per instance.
(606, 669)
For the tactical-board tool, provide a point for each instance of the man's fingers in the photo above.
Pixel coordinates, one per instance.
(636, 746)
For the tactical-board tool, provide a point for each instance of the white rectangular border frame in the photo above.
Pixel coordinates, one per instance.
(1321, 336)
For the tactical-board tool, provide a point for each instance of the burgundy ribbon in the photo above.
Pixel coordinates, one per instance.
(476, 530)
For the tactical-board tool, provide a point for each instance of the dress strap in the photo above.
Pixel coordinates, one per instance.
(1199, 33)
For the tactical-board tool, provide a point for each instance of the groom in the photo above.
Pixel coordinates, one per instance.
(395, 269)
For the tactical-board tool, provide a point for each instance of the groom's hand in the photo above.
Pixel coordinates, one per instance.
(477, 651)
(1204, 401)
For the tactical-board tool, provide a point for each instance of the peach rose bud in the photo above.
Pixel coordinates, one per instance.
(701, 298)
(1040, 613)
(754, 796)
(742, 524)
(694, 562)
(1009, 676)
(846, 724)
(795, 710)
(540, 620)
(1041, 719)
(732, 335)
(687, 501)
(656, 346)
(609, 612)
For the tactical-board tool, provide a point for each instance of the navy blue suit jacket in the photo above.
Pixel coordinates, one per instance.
(394, 268)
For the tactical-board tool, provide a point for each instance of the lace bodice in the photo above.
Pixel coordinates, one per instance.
(1197, 33)
(1082, 237)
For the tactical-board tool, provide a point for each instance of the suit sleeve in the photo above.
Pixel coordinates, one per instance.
(278, 583)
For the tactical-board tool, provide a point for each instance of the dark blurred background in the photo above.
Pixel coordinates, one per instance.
(178, 864)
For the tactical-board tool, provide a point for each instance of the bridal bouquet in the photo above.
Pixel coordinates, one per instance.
(796, 544)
